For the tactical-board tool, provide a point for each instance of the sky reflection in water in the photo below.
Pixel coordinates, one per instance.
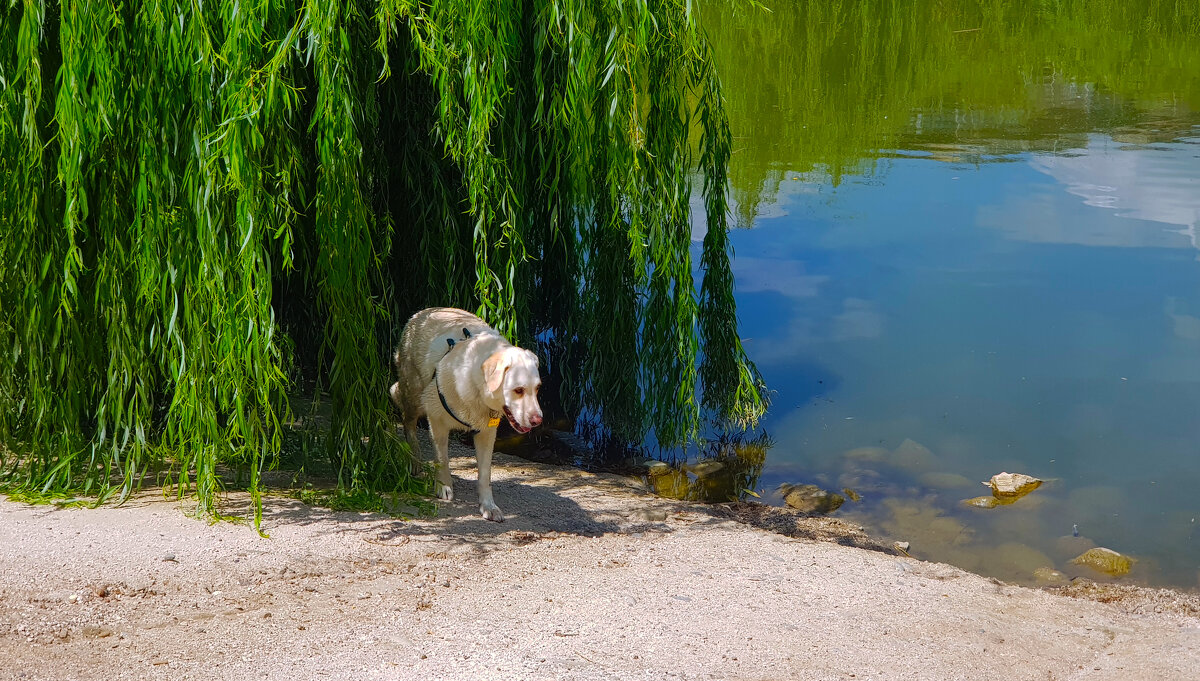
(1041, 317)
(1015, 286)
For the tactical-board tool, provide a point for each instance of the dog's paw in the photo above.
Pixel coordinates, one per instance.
(491, 512)
(445, 492)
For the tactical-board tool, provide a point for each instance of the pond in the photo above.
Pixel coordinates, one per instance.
(973, 226)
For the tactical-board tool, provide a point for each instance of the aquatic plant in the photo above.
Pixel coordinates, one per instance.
(208, 205)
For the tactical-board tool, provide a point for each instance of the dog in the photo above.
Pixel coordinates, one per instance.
(461, 374)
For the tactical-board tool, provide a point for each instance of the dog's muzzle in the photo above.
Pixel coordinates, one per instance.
(513, 422)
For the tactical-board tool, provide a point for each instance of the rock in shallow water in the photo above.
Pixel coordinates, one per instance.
(1012, 484)
(913, 456)
(1105, 560)
(1048, 575)
(811, 499)
(866, 455)
(705, 468)
(921, 522)
(654, 468)
(1013, 560)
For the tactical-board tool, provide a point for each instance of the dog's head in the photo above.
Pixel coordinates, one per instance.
(512, 374)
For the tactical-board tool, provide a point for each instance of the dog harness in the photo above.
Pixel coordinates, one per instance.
(493, 417)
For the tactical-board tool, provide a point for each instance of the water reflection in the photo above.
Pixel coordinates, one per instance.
(1154, 183)
(832, 85)
(728, 470)
(974, 251)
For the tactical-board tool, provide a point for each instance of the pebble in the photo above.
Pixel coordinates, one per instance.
(649, 514)
(168, 557)
(96, 631)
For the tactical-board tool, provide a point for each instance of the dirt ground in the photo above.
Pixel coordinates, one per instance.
(590, 578)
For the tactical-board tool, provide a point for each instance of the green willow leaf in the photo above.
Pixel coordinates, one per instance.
(215, 213)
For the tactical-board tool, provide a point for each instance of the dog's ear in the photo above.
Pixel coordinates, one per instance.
(494, 368)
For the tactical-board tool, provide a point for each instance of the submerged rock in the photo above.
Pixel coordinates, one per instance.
(1015, 485)
(1048, 575)
(866, 455)
(852, 495)
(945, 481)
(913, 457)
(1013, 560)
(1105, 560)
(705, 468)
(860, 478)
(921, 522)
(810, 498)
(654, 468)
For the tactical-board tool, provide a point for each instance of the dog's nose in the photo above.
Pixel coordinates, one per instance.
(535, 420)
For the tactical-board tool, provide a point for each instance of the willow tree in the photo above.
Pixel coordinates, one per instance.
(204, 202)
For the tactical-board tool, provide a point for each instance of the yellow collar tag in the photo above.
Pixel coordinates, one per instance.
(493, 422)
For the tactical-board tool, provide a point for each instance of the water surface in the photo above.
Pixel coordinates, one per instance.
(974, 226)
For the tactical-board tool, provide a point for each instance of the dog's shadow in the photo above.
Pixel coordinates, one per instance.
(538, 501)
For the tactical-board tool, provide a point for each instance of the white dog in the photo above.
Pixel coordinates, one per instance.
(461, 374)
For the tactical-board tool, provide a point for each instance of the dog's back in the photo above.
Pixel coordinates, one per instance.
(422, 344)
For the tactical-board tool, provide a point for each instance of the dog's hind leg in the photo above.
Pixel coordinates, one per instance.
(485, 441)
(408, 419)
(414, 444)
(441, 446)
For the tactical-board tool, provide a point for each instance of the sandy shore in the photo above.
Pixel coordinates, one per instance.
(590, 578)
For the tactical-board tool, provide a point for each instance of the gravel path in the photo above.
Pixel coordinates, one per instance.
(589, 579)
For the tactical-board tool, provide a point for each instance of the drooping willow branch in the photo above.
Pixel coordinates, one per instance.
(204, 202)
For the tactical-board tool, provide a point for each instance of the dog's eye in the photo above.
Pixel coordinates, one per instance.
(519, 392)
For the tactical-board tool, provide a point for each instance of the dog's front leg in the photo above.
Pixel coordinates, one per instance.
(441, 448)
(485, 440)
